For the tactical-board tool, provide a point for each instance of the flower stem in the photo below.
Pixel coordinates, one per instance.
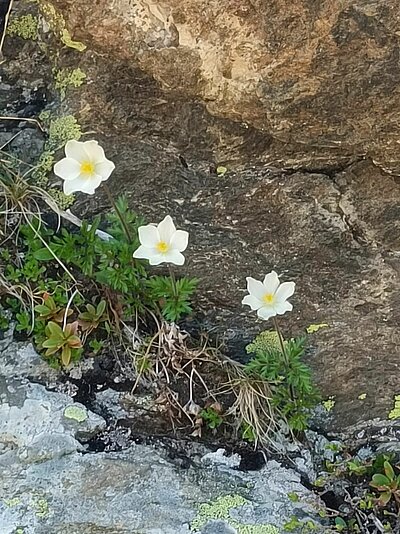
(173, 282)
(284, 352)
(117, 211)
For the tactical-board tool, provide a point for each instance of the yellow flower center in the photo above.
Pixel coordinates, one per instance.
(268, 298)
(162, 247)
(87, 167)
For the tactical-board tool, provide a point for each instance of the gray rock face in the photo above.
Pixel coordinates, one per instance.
(49, 484)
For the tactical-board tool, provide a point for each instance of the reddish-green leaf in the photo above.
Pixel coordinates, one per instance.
(389, 470)
(379, 481)
(66, 355)
(384, 498)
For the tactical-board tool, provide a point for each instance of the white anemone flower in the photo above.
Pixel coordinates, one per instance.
(84, 167)
(269, 297)
(162, 243)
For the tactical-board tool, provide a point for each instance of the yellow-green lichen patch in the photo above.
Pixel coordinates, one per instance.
(61, 130)
(315, 327)
(220, 510)
(25, 26)
(267, 340)
(65, 78)
(57, 24)
(329, 404)
(395, 413)
(41, 507)
(76, 413)
(12, 502)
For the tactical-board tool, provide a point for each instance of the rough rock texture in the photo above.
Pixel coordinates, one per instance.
(334, 231)
(321, 74)
(48, 485)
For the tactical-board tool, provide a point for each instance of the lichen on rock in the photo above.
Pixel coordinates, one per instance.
(220, 510)
(65, 78)
(25, 26)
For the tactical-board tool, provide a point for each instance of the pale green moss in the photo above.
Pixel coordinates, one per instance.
(76, 413)
(265, 341)
(26, 26)
(57, 24)
(65, 78)
(395, 413)
(220, 510)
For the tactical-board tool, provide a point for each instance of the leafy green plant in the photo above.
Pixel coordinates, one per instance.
(388, 485)
(293, 392)
(50, 311)
(248, 433)
(172, 296)
(4, 323)
(62, 341)
(96, 346)
(93, 316)
(211, 417)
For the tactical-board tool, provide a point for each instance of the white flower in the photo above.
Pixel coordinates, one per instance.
(162, 243)
(269, 297)
(84, 168)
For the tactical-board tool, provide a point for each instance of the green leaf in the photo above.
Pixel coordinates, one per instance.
(52, 342)
(43, 254)
(66, 355)
(389, 471)
(340, 524)
(101, 308)
(55, 329)
(379, 481)
(385, 498)
(42, 309)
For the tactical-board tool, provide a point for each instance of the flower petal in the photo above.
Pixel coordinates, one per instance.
(70, 186)
(104, 168)
(166, 229)
(84, 185)
(148, 235)
(180, 240)
(143, 253)
(253, 302)
(76, 150)
(255, 287)
(174, 256)
(67, 169)
(157, 258)
(266, 312)
(94, 151)
(89, 185)
(285, 291)
(282, 307)
(271, 282)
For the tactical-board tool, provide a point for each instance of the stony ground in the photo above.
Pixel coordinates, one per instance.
(51, 482)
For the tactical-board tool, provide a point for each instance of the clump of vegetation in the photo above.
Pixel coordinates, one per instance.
(53, 263)
(292, 391)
